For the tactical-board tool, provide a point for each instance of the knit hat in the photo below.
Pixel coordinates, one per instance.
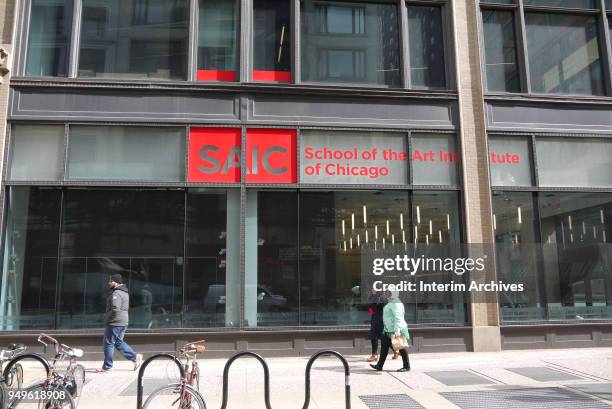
(116, 278)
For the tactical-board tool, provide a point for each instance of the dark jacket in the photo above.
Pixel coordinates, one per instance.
(117, 307)
(377, 303)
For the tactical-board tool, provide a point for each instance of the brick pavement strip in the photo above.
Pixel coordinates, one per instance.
(116, 389)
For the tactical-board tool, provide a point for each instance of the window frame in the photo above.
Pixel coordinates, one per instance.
(519, 10)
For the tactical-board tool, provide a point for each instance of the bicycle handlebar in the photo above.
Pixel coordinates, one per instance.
(46, 340)
(195, 347)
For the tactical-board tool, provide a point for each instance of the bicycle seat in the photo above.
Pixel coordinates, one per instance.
(75, 352)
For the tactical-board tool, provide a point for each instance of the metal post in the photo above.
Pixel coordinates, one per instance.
(266, 377)
(144, 366)
(347, 384)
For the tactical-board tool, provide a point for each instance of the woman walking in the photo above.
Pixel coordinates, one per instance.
(377, 302)
(394, 325)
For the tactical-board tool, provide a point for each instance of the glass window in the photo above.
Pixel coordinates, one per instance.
(435, 217)
(576, 230)
(564, 54)
(212, 261)
(334, 228)
(348, 157)
(516, 231)
(435, 159)
(49, 38)
(217, 34)
(577, 4)
(500, 51)
(271, 40)
(574, 162)
(37, 152)
(499, 1)
(271, 297)
(124, 153)
(134, 39)
(135, 233)
(608, 5)
(510, 161)
(29, 272)
(347, 42)
(426, 47)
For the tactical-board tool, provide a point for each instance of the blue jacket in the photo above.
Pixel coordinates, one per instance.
(393, 318)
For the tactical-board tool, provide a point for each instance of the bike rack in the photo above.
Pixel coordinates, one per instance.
(144, 365)
(347, 384)
(313, 358)
(266, 376)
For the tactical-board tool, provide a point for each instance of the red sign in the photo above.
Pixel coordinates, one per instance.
(272, 156)
(214, 155)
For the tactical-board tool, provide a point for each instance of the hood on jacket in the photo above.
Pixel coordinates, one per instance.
(121, 287)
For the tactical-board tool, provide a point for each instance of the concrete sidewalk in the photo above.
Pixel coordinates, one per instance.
(538, 379)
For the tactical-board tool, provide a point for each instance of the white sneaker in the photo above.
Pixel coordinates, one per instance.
(138, 361)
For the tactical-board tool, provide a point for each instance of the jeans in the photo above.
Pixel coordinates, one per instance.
(113, 338)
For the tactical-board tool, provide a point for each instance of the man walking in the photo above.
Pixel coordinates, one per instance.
(115, 323)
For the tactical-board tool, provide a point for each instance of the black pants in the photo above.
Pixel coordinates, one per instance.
(374, 346)
(385, 344)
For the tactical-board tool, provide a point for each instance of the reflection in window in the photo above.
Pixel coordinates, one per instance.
(136, 233)
(49, 38)
(516, 232)
(271, 40)
(217, 34)
(271, 297)
(134, 39)
(426, 47)
(564, 54)
(29, 271)
(212, 259)
(576, 230)
(343, 42)
(500, 51)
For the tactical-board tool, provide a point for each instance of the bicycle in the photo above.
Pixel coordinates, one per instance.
(184, 394)
(13, 379)
(57, 391)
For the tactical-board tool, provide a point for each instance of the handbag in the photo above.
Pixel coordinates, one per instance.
(399, 342)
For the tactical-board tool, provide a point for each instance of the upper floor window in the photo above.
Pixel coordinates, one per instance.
(134, 39)
(561, 54)
(348, 42)
(426, 45)
(49, 38)
(217, 40)
(271, 40)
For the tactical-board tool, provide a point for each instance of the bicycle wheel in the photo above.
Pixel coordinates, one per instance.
(34, 369)
(3, 396)
(79, 379)
(14, 377)
(40, 396)
(170, 396)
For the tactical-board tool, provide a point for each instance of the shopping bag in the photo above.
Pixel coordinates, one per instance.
(399, 342)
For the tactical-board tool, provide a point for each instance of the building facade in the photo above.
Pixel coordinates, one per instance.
(233, 159)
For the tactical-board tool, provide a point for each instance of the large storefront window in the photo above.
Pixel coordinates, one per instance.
(30, 268)
(134, 39)
(554, 242)
(347, 42)
(178, 252)
(49, 38)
